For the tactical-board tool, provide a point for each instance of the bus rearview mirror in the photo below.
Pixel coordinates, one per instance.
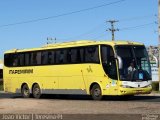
(120, 62)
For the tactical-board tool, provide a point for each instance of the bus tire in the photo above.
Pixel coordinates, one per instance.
(36, 91)
(25, 91)
(96, 92)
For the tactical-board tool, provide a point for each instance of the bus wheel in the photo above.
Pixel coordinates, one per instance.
(96, 92)
(36, 91)
(25, 91)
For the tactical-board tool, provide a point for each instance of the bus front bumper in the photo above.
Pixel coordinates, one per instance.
(135, 91)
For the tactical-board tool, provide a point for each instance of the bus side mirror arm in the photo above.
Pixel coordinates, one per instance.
(120, 62)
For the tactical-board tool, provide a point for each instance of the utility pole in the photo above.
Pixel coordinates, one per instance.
(50, 40)
(112, 29)
(55, 40)
(150, 52)
(159, 41)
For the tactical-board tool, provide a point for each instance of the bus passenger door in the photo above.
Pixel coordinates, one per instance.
(110, 68)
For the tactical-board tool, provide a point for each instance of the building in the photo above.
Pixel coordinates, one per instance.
(153, 56)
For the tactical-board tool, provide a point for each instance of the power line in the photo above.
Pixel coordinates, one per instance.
(64, 14)
(122, 29)
(121, 20)
(91, 31)
(138, 26)
(138, 18)
(128, 28)
(102, 35)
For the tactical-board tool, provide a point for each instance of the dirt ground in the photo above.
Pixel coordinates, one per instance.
(61, 106)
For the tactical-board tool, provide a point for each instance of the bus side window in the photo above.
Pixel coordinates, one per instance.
(61, 56)
(1, 73)
(15, 60)
(51, 57)
(69, 54)
(57, 52)
(27, 59)
(65, 60)
(21, 59)
(10, 60)
(91, 54)
(44, 57)
(7, 61)
(38, 58)
(73, 55)
(80, 55)
(33, 58)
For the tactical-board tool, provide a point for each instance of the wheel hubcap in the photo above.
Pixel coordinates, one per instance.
(36, 91)
(97, 92)
(26, 92)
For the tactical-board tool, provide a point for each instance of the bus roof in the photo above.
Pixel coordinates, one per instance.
(74, 44)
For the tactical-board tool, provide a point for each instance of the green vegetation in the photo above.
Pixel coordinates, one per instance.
(155, 86)
(1, 86)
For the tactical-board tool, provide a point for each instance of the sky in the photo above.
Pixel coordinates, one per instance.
(28, 23)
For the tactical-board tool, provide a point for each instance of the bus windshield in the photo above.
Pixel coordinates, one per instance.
(135, 63)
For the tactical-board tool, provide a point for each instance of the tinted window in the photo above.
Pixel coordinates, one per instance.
(38, 58)
(80, 55)
(44, 57)
(91, 54)
(64, 56)
(33, 59)
(27, 59)
(1, 73)
(8, 59)
(88, 54)
(21, 59)
(58, 56)
(15, 60)
(109, 62)
(73, 55)
(51, 57)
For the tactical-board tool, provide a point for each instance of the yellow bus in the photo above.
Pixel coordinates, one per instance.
(95, 68)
